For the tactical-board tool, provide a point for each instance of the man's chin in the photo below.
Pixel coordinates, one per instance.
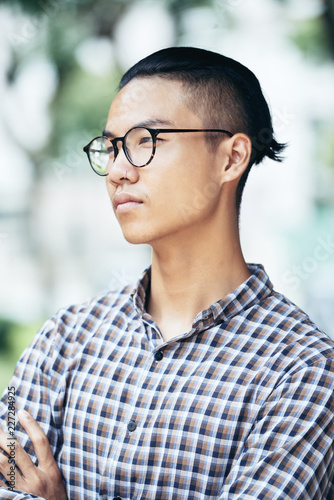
(138, 236)
(134, 238)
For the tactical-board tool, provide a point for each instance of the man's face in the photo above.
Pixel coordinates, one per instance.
(180, 189)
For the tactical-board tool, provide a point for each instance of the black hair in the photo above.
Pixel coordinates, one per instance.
(225, 93)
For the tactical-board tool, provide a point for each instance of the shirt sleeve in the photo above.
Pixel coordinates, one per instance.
(289, 453)
(37, 387)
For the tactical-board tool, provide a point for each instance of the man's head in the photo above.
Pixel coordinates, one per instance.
(169, 186)
(222, 92)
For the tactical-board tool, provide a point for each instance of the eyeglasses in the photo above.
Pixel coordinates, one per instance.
(139, 145)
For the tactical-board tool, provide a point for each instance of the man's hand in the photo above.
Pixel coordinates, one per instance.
(45, 480)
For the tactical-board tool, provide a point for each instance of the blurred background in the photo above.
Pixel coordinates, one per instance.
(60, 63)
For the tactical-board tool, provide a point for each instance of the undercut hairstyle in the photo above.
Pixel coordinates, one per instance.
(222, 92)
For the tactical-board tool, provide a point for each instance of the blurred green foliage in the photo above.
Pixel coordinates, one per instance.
(327, 143)
(82, 103)
(14, 338)
(5, 330)
(311, 38)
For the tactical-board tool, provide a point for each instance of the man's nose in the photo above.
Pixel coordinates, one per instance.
(120, 169)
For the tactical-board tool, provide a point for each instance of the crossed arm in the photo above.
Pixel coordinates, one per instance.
(245, 481)
(43, 480)
(304, 404)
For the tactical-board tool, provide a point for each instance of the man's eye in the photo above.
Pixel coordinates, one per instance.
(145, 140)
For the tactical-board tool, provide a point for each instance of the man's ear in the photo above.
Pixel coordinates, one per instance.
(238, 151)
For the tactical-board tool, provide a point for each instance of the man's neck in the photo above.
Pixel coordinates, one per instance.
(186, 279)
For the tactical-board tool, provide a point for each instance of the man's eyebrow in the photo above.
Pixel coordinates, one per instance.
(151, 122)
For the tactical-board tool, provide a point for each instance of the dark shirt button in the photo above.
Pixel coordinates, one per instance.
(132, 426)
(158, 355)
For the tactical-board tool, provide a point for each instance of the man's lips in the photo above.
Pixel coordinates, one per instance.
(125, 201)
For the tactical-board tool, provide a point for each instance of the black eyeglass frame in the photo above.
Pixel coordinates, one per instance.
(154, 133)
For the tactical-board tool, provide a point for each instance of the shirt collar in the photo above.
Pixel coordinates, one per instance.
(138, 294)
(252, 291)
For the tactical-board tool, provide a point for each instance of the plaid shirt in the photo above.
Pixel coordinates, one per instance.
(239, 407)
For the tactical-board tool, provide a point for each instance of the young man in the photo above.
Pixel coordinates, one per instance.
(200, 381)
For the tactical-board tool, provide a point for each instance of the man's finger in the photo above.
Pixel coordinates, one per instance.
(44, 480)
(9, 472)
(38, 439)
(16, 457)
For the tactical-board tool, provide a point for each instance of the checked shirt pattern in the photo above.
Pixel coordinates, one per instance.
(239, 407)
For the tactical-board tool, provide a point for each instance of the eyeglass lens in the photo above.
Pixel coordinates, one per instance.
(138, 145)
